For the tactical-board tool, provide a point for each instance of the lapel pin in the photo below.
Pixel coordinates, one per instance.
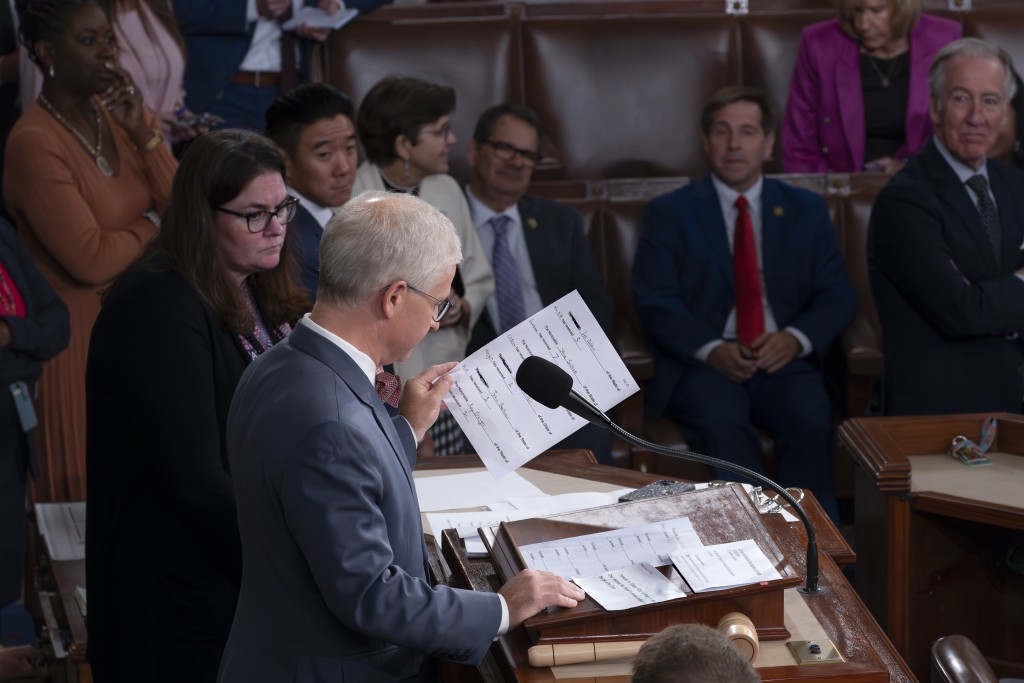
(778, 212)
(532, 222)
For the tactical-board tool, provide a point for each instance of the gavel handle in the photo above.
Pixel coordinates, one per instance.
(578, 653)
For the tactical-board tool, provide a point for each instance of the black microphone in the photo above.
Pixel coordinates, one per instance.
(551, 386)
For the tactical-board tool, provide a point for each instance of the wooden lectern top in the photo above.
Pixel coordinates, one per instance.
(718, 515)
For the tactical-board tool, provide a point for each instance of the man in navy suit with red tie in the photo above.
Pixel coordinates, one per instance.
(740, 286)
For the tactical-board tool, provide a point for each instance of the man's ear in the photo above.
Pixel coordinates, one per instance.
(393, 298)
(472, 149)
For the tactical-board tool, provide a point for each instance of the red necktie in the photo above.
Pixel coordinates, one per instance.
(388, 386)
(747, 274)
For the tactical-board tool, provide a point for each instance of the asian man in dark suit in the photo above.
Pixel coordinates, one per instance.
(541, 253)
(334, 578)
(740, 286)
(944, 250)
(314, 127)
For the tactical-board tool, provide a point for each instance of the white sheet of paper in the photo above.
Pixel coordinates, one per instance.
(315, 17)
(62, 526)
(633, 586)
(507, 428)
(724, 565)
(607, 551)
(470, 490)
(569, 502)
(468, 523)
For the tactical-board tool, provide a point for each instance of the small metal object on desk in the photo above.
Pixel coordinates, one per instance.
(814, 651)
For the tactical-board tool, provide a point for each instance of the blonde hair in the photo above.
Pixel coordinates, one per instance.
(905, 14)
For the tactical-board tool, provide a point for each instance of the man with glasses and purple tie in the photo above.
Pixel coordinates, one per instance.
(536, 246)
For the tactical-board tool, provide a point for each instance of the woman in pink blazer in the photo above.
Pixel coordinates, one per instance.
(858, 100)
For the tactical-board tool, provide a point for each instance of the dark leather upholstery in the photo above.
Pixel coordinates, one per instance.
(619, 108)
(955, 659)
(478, 59)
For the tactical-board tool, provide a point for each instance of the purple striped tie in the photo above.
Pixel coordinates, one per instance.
(507, 287)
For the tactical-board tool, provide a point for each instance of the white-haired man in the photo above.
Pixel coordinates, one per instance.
(334, 582)
(944, 250)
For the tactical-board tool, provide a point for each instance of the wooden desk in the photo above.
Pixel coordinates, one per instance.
(931, 556)
(843, 617)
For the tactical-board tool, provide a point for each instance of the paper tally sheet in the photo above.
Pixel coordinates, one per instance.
(507, 428)
(633, 586)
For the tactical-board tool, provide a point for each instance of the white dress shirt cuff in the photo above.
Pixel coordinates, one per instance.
(805, 344)
(703, 352)
(503, 627)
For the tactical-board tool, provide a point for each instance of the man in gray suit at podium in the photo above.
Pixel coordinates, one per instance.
(335, 584)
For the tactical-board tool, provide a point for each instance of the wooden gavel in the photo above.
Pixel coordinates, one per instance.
(737, 627)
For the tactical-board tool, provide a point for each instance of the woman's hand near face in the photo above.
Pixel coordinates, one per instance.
(124, 102)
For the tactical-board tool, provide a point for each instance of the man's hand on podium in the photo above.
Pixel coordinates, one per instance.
(532, 590)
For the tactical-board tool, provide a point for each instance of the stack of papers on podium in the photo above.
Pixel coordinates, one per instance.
(314, 17)
(713, 567)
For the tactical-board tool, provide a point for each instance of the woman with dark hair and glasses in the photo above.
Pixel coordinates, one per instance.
(404, 125)
(215, 289)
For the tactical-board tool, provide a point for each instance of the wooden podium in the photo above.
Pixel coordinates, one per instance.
(837, 611)
(934, 535)
(718, 515)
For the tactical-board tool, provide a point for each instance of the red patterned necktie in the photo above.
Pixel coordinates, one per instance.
(388, 386)
(747, 274)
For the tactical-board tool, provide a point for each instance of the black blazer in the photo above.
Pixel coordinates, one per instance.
(39, 336)
(305, 234)
(949, 309)
(561, 260)
(163, 557)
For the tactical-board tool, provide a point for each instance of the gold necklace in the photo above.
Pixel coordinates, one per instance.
(96, 152)
(886, 77)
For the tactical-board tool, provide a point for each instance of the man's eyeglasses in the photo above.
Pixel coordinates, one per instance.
(258, 221)
(507, 152)
(441, 306)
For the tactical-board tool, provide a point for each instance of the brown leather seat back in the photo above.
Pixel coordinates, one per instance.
(769, 45)
(1000, 25)
(474, 56)
(865, 358)
(621, 96)
(955, 659)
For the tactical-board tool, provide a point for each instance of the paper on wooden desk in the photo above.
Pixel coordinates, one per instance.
(594, 554)
(506, 427)
(469, 490)
(631, 587)
(724, 565)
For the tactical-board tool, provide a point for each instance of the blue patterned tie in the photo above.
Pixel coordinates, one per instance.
(988, 212)
(507, 287)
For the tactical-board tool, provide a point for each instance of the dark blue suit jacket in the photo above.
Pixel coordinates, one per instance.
(561, 260)
(683, 285)
(335, 582)
(306, 233)
(948, 309)
(39, 336)
(217, 36)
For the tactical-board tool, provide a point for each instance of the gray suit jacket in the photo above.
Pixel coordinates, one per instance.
(334, 581)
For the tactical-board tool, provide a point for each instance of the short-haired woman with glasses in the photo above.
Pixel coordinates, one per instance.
(404, 125)
(215, 289)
